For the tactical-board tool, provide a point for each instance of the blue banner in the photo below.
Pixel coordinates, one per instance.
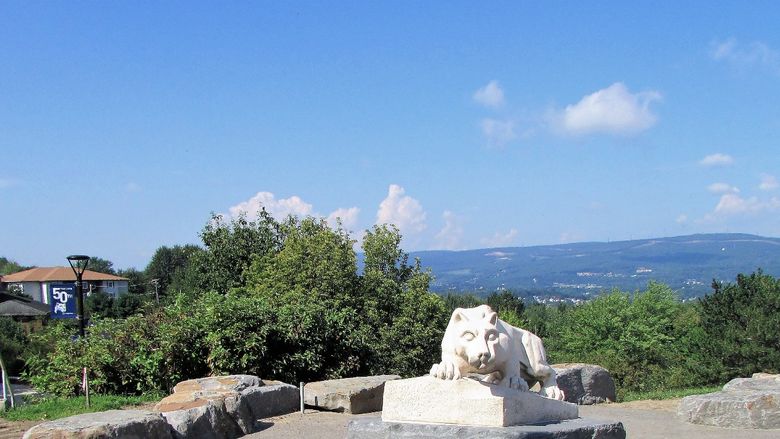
(62, 298)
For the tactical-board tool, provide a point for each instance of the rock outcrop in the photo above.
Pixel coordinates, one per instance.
(585, 384)
(348, 395)
(743, 403)
(111, 424)
(225, 406)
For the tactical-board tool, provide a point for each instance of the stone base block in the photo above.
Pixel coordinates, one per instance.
(469, 402)
(348, 395)
(375, 428)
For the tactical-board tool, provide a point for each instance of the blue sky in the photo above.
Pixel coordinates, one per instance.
(124, 124)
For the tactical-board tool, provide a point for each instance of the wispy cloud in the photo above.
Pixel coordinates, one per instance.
(612, 110)
(750, 55)
(768, 182)
(491, 95)
(449, 237)
(732, 204)
(722, 188)
(501, 239)
(402, 210)
(717, 159)
(279, 209)
(498, 132)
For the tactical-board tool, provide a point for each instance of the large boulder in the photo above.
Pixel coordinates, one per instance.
(348, 395)
(743, 403)
(225, 406)
(111, 424)
(585, 384)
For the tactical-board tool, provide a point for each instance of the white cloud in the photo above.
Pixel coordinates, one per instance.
(279, 209)
(449, 237)
(733, 204)
(498, 132)
(490, 95)
(717, 159)
(402, 210)
(501, 239)
(722, 188)
(681, 219)
(348, 217)
(755, 54)
(613, 110)
(768, 182)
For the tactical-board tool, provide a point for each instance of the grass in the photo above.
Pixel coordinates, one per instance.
(47, 409)
(667, 394)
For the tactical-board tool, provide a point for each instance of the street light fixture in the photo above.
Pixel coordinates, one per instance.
(78, 263)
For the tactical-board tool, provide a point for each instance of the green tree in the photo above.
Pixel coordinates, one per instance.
(137, 283)
(742, 323)
(101, 265)
(8, 266)
(311, 284)
(13, 340)
(168, 264)
(638, 339)
(230, 248)
(408, 320)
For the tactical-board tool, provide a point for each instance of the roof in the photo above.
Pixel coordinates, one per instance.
(53, 274)
(11, 306)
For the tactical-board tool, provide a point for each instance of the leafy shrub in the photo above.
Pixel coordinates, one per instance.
(13, 339)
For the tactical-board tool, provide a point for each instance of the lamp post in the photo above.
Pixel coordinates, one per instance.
(78, 263)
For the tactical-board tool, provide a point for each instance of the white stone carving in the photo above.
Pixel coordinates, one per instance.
(477, 341)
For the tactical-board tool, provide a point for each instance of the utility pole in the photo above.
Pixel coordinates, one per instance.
(156, 283)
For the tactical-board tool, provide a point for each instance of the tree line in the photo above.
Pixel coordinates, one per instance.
(286, 300)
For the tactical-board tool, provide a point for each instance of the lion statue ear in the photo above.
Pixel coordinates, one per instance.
(459, 315)
(492, 317)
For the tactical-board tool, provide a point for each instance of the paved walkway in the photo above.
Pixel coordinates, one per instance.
(644, 420)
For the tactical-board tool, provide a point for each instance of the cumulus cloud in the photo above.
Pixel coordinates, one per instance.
(717, 159)
(613, 110)
(722, 188)
(768, 182)
(449, 237)
(681, 219)
(498, 132)
(490, 95)
(348, 217)
(755, 54)
(501, 239)
(733, 204)
(402, 210)
(279, 209)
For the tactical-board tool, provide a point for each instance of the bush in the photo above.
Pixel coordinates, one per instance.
(13, 340)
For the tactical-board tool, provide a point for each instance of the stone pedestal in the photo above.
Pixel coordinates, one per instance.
(468, 402)
(375, 428)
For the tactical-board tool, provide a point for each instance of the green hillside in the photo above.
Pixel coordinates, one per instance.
(686, 263)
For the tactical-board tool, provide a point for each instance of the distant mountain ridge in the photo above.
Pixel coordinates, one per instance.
(686, 263)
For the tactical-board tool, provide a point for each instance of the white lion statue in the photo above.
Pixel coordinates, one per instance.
(477, 341)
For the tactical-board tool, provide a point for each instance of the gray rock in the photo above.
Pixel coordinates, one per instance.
(580, 428)
(743, 403)
(272, 400)
(225, 406)
(111, 424)
(585, 384)
(349, 395)
(209, 420)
